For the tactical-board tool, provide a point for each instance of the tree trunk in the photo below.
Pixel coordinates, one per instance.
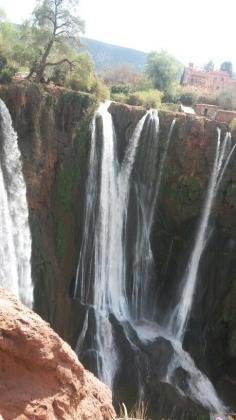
(42, 65)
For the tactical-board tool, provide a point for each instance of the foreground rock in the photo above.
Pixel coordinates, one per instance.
(41, 377)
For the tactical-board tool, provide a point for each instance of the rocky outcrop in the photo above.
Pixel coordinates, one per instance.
(41, 377)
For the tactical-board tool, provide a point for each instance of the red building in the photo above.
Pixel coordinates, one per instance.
(207, 80)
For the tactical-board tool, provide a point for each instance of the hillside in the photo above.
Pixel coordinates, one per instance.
(107, 55)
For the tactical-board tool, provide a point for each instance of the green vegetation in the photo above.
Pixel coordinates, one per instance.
(150, 98)
(226, 99)
(164, 71)
(68, 175)
(46, 49)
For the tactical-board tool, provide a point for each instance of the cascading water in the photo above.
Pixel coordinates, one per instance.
(104, 284)
(15, 238)
(106, 214)
(146, 198)
(180, 315)
(147, 190)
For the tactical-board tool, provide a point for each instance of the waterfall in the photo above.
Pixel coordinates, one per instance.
(163, 159)
(102, 277)
(145, 189)
(15, 238)
(180, 315)
(114, 282)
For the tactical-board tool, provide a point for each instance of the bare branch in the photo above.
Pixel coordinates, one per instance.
(64, 60)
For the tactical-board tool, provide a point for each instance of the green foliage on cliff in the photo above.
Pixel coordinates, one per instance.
(55, 33)
(68, 182)
(8, 51)
(227, 99)
(163, 70)
(186, 191)
(46, 48)
(150, 98)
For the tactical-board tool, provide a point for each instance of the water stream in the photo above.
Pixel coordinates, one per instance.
(15, 238)
(180, 315)
(108, 284)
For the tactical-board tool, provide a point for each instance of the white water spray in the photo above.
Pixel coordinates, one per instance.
(102, 270)
(180, 315)
(105, 218)
(15, 238)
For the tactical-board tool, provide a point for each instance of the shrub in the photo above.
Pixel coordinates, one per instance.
(59, 74)
(7, 73)
(99, 88)
(144, 83)
(188, 96)
(227, 99)
(120, 88)
(169, 107)
(150, 98)
(119, 97)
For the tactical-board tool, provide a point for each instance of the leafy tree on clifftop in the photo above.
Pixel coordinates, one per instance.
(163, 70)
(55, 35)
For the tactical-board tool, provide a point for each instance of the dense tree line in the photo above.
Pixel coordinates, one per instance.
(47, 48)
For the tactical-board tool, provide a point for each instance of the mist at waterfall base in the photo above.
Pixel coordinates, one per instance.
(15, 238)
(116, 275)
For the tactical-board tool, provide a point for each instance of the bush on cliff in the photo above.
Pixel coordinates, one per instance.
(7, 73)
(150, 98)
(226, 99)
(163, 70)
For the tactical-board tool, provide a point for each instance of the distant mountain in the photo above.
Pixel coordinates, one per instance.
(107, 55)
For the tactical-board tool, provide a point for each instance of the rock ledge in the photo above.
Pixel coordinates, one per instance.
(41, 377)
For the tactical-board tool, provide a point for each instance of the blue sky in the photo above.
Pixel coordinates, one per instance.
(191, 30)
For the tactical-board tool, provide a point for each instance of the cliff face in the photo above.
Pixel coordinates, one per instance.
(54, 138)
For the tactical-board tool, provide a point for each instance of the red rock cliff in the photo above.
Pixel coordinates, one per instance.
(41, 377)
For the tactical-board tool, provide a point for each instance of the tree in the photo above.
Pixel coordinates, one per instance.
(55, 31)
(209, 66)
(163, 70)
(227, 100)
(8, 45)
(227, 67)
(82, 77)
